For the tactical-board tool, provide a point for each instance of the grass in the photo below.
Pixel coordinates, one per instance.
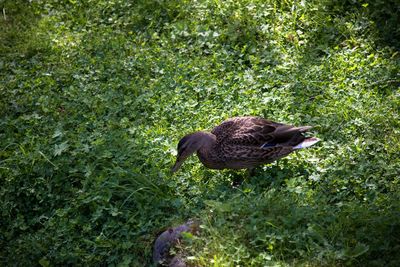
(94, 96)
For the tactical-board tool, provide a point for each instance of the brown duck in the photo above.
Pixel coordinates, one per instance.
(243, 142)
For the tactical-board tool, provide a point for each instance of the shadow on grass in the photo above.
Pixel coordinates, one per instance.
(376, 20)
(385, 15)
(284, 219)
(285, 224)
(17, 29)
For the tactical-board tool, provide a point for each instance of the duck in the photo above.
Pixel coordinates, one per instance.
(243, 143)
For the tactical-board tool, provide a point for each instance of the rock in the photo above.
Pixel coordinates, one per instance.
(177, 261)
(169, 239)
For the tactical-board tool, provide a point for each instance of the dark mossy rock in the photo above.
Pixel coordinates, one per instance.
(169, 239)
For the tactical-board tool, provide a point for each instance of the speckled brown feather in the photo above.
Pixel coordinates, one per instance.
(255, 131)
(245, 142)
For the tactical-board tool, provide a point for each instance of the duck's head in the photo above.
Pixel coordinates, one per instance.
(190, 144)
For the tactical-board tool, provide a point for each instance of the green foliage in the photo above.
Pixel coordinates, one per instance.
(94, 96)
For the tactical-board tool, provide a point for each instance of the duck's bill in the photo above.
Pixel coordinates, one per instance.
(176, 166)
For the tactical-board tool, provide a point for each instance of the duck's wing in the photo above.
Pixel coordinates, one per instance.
(259, 132)
(250, 131)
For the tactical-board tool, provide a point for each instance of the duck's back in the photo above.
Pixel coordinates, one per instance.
(244, 142)
(255, 131)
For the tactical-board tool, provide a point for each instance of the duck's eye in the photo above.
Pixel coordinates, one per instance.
(182, 142)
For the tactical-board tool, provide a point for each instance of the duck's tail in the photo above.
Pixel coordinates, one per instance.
(307, 143)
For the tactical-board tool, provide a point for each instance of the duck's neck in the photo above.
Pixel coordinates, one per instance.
(205, 151)
(206, 140)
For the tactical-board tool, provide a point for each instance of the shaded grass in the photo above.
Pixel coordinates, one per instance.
(285, 226)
